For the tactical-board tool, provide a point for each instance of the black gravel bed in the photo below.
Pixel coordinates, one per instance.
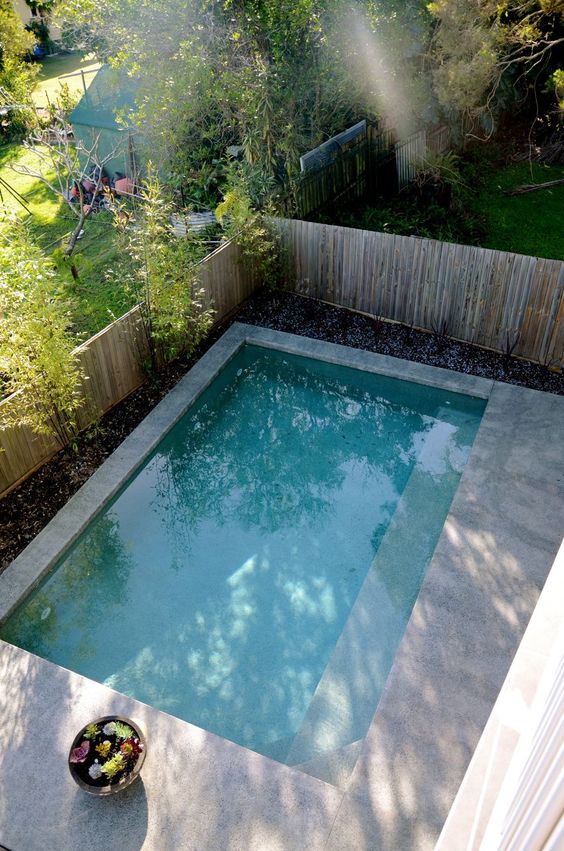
(30, 506)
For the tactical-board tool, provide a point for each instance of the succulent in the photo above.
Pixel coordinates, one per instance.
(131, 747)
(122, 731)
(113, 766)
(80, 753)
(107, 754)
(104, 748)
(91, 731)
(95, 771)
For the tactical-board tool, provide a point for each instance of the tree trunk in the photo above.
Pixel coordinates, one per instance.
(74, 235)
(533, 187)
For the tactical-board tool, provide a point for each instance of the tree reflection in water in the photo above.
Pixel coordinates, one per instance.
(69, 620)
(251, 529)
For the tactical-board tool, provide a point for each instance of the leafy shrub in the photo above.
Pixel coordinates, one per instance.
(36, 348)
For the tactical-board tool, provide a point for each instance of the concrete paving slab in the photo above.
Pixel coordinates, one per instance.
(335, 767)
(393, 821)
(520, 433)
(198, 791)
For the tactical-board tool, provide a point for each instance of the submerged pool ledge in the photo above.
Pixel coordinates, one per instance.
(200, 791)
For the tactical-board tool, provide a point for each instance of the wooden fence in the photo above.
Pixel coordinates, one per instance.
(412, 151)
(490, 298)
(409, 153)
(111, 361)
(374, 162)
(344, 180)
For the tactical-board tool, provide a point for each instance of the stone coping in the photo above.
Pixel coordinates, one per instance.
(199, 791)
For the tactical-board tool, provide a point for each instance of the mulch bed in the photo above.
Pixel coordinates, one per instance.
(29, 507)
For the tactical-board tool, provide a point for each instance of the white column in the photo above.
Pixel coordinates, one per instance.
(528, 815)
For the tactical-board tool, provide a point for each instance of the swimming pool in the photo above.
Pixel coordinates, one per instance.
(257, 573)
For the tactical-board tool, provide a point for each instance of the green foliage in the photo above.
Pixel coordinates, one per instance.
(40, 29)
(273, 79)
(556, 84)
(122, 731)
(480, 46)
(91, 731)
(64, 104)
(82, 35)
(16, 76)
(40, 7)
(113, 766)
(439, 170)
(478, 212)
(17, 79)
(253, 231)
(36, 349)
(15, 42)
(96, 298)
(412, 216)
(163, 276)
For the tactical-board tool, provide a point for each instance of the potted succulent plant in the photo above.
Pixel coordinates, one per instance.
(107, 755)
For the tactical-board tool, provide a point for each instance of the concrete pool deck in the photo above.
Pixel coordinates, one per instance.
(199, 791)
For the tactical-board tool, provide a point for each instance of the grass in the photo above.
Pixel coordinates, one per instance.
(93, 301)
(56, 70)
(525, 224)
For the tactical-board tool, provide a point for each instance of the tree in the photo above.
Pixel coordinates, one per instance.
(15, 42)
(65, 167)
(273, 79)
(17, 77)
(480, 45)
(164, 277)
(36, 349)
(253, 230)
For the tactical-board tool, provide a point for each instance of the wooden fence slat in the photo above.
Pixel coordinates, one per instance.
(484, 296)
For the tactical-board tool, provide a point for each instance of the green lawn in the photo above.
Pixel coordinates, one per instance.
(94, 302)
(526, 224)
(532, 223)
(77, 70)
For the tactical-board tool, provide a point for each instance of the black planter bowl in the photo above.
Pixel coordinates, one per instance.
(104, 786)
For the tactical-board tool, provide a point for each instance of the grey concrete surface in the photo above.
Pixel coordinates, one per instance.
(202, 792)
(197, 791)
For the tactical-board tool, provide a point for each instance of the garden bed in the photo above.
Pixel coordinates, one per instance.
(29, 507)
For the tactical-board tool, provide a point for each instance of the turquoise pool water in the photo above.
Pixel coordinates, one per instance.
(257, 573)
